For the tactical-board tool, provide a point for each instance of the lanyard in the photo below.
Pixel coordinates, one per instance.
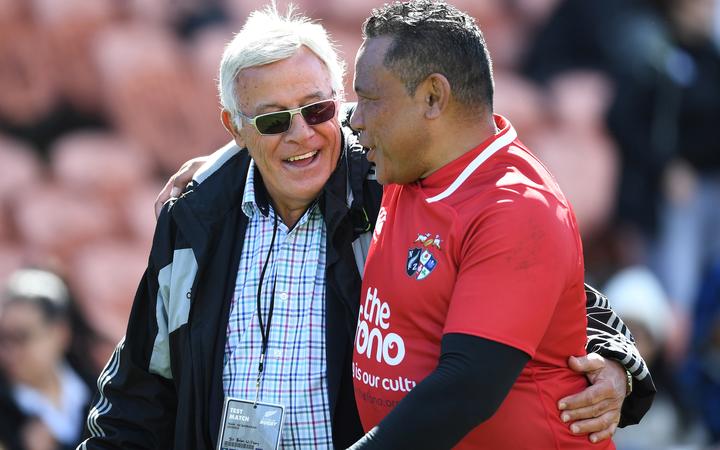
(265, 328)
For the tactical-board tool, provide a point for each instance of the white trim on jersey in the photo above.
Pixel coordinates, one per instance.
(499, 143)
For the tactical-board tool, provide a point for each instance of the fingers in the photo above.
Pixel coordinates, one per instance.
(600, 428)
(163, 196)
(596, 409)
(602, 435)
(177, 182)
(592, 411)
(183, 176)
(588, 397)
(592, 362)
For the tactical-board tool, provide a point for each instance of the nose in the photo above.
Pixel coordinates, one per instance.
(299, 129)
(358, 124)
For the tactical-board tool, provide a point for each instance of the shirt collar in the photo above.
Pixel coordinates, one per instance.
(255, 197)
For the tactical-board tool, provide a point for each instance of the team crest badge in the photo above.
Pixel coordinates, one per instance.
(421, 261)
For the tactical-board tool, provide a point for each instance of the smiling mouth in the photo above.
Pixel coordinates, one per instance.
(302, 157)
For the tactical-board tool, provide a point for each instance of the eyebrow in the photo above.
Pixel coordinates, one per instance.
(362, 92)
(317, 95)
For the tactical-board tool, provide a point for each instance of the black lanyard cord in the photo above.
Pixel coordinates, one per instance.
(265, 331)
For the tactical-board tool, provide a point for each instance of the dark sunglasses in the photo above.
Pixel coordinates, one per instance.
(279, 121)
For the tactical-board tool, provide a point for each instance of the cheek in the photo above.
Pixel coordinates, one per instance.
(262, 150)
(374, 114)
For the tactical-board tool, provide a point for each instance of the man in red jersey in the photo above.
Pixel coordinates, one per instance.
(475, 256)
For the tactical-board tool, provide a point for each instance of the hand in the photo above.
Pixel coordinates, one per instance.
(178, 181)
(595, 410)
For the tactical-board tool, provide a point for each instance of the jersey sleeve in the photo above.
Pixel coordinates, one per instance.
(515, 261)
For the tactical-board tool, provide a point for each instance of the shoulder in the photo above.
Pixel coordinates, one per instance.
(217, 161)
(219, 183)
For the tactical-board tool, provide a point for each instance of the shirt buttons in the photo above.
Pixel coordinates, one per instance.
(283, 296)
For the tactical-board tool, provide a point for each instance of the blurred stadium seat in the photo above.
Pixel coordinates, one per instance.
(27, 82)
(150, 93)
(104, 277)
(19, 167)
(103, 164)
(55, 221)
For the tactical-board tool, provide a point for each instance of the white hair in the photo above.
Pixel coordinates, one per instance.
(268, 37)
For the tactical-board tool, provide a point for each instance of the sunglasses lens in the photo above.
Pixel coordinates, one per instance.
(273, 123)
(319, 112)
(279, 122)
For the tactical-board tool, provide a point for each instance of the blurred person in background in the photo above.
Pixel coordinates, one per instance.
(665, 71)
(641, 302)
(44, 400)
(689, 231)
(700, 376)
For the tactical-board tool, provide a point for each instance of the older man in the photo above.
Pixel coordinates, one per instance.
(251, 295)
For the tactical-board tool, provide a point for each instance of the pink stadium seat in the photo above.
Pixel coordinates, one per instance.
(520, 100)
(56, 222)
(350, 14)
(104, 277)
(579, 149)
(238, 10)
(5, 228)
(27, 83)
(9, 10)
(536, 11)
(152, 11)
(581, 98)
(585, 164)
(12, 257)
(139, 215)
(151, 95)
(20, 168)
(71, 26)
(206, 52)
(347, 42)
(100, 163)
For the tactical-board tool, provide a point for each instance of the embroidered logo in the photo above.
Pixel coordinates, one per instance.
(421, 261)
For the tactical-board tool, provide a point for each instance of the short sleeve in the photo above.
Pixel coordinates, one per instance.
(515, 261)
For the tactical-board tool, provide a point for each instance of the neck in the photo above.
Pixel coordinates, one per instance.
(49, 384)
(290, 215)
(455, 138)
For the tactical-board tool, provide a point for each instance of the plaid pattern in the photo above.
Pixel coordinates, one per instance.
(295, 368)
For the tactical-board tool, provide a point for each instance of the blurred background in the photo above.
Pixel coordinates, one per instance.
(101, 100)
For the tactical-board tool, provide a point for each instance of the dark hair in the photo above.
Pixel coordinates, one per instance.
(434, 37)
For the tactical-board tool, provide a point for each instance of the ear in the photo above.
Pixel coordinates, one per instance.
(229, 125)
(435, 91)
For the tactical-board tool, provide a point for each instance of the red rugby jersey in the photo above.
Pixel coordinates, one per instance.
(486, 246)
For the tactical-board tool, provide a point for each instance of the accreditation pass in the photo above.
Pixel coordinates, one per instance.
(250, 425)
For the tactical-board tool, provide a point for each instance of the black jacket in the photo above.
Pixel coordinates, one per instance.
(162, 387)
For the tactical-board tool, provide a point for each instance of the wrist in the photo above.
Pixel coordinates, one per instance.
(628, 383)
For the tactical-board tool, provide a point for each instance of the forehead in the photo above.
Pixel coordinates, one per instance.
(286, 83)
(15, 314)
(369, 68)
